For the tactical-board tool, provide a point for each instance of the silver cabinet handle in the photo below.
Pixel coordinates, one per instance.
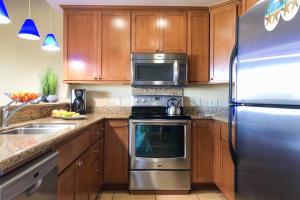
(30, 191)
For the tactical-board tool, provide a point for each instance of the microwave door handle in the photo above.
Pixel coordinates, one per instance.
(176, 72)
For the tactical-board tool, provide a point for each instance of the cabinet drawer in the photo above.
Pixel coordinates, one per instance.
(118, 123)
(97, 132)
(96, 173)
(95, 151)
(70, 151)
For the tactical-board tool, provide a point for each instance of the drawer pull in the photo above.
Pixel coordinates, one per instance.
(80, 163)
(96, 151)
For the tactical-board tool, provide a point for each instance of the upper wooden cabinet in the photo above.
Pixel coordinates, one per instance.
(97, 46)
(115, 45)
(198, 46)
(222, 40)
(80, 48)
(246, 5)
(154, 32)
(145, 31)
(202, 151)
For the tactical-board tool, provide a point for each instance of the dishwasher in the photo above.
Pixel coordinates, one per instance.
(36, 180)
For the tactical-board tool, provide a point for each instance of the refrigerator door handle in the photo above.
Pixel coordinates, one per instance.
(231, 63)
(230, 143)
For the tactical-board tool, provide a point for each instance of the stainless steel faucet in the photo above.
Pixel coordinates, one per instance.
(7, 114)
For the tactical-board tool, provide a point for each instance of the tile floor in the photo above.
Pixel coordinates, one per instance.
(195, 195)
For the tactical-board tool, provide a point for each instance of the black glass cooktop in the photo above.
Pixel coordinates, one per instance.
(154, 113)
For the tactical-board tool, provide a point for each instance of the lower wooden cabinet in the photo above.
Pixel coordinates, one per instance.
(217, 153)
(82, 178)
(116, 152)
(66, 184)
(202, 151)
(223, 165)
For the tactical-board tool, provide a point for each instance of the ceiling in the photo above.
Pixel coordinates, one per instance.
(56, 3)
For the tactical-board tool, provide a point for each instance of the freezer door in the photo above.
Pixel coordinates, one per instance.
(268, 62)
(268, 153)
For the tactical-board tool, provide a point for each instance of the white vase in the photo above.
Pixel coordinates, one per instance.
(52, 98)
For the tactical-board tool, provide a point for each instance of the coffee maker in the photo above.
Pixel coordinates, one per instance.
(78, 101)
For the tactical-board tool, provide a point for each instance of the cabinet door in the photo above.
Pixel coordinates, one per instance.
(227, 172)
(173, 32)
(217, 154)
(116, 151)
(203, 147)
(83, 177)
(80, 48)
(222, 39)
(145, 31)
(198, 46)
(247, 4)
(115, 45)
(66, 184)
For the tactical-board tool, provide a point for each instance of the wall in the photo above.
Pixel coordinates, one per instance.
(102, 95)
(22, 62)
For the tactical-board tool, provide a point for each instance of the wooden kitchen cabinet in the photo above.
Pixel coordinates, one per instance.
(116, 152)
(115, 45)
(145, 31)
(80, 46)
(198, 46)
(81, 165)
(73, 183)
(97, 46)
(222, 39)
(173, 26)
(66, 184)
(247, 5)
(202, 151)
(159, 31)
(217, 153)
(223, 164)
(227, 171)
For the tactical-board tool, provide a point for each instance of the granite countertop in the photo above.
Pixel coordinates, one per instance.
(213, 117)
(17, 149)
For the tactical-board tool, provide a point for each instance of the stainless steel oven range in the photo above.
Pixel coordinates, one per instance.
(159, 146)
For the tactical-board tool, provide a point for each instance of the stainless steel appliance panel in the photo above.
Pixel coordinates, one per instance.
(34, 181)
(160, 180)
(159, 69)
(268, 61)
(268, 149)
(167, 160)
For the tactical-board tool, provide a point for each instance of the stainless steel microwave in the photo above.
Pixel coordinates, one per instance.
(159, 69)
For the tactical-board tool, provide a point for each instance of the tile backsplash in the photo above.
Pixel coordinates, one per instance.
(157, 91)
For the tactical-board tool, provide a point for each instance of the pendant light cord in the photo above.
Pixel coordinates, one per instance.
(29, 9)
(50, 19)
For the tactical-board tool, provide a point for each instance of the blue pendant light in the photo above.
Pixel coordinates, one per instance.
(28, 30)
(4, 18)
(50, 43)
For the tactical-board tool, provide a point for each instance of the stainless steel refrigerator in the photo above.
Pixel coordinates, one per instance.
(265, 102)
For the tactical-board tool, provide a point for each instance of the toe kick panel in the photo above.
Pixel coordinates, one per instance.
(160, 180)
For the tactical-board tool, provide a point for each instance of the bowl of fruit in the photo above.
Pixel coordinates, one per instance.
(64, 114)
(23, 97)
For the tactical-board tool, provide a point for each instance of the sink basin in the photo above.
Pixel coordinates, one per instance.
(38, 129)
(49, 125)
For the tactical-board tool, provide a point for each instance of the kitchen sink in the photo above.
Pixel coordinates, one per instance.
(38, 128)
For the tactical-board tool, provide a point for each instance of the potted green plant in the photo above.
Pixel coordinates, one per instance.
(49, 86)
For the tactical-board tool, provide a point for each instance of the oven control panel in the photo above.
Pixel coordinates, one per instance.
(149, 100)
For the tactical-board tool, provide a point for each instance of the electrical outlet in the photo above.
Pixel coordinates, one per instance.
(212, 102)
